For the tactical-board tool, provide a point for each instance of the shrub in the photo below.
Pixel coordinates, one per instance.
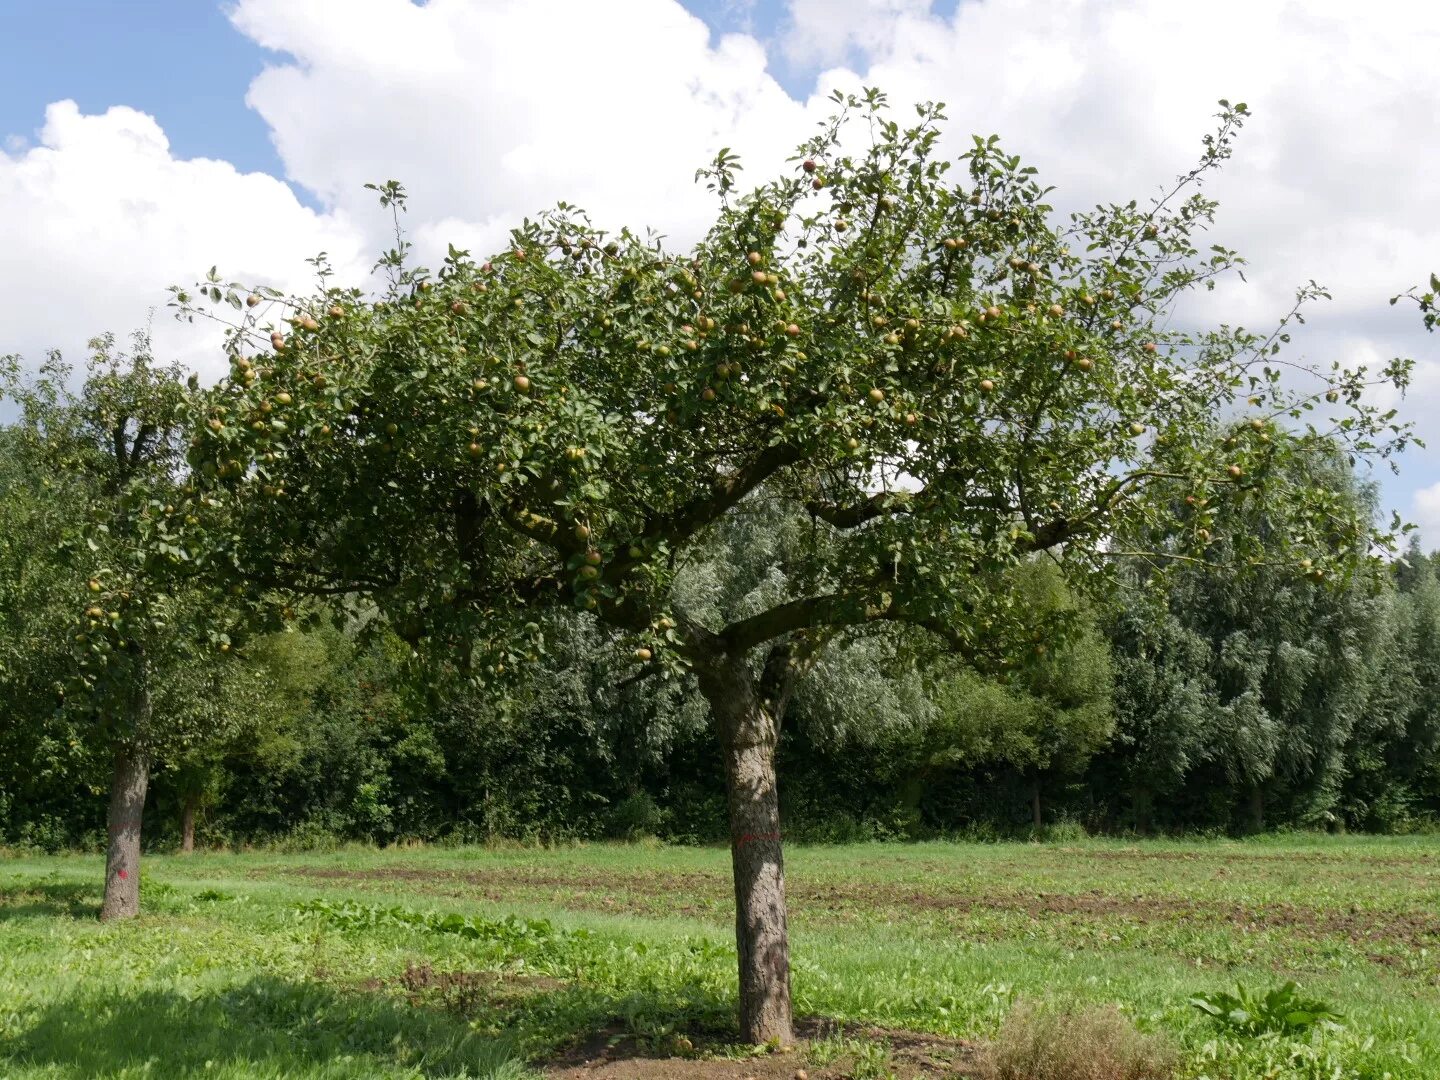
(1089, 1044)
(1282, 1010)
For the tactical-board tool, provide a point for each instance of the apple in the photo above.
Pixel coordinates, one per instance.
(582, 532)
(635, 552)
(1332, 396)
(1055, 311)
(791, 330)
(522, 383)
(475, 450)
(309, 323)
(987, 386)
(1235, 472)
(993, 312)
(911, 419)
(708, 394)
(336, 311)
(1257, 424)
(877, 395)
(754, 258)
(392, 429)
(817, 183)
(642, 654)
(891, 339)
(588, 573)
(93, 585)
(252, 300)
(283, 398)
(808, 165)
(1150, 347)
(593, 558)
(1137, 428)
(1203, 534)
(277, 341)
(852, 444)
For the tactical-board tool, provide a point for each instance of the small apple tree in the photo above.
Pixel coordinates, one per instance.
(106, 464)
(942, 377)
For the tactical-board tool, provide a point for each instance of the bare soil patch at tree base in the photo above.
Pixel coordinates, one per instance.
(911, 1055)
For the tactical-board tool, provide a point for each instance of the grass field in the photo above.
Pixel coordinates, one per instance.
(235, 970)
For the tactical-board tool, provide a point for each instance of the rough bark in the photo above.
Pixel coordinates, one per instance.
(748, 734)
(1037, 818)
(128, 784)
(122, 860)
(187, 824)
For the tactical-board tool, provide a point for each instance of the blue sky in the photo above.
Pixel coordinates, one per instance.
(179, 60)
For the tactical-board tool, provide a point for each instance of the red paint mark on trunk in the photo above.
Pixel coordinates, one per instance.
(123, 874)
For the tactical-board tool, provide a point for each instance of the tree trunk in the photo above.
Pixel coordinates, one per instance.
(122, 861)
(1036, 817)
(187, 824)
(748, 733)
(1257, 809)
(1144, 805)
(127, 805)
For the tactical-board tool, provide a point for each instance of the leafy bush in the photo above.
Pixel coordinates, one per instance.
(1283, 1010)
(1091, 1044)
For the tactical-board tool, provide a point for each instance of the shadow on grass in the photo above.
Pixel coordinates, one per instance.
(48, 900)
(264, 1027)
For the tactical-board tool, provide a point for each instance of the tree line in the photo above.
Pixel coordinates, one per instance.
(1213, 710)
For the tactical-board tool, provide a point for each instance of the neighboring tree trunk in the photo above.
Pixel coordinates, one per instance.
(1036, 817)
(1257, 809)
(748, 734)
(187, 823)
(1144, 806)
(122, 861)
(127, 805)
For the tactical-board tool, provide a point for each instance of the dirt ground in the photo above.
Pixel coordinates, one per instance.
(912, 1056)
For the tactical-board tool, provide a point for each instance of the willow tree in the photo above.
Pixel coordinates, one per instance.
(944, 377)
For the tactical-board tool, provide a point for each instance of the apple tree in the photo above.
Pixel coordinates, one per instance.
(939, 374)
(140, 627)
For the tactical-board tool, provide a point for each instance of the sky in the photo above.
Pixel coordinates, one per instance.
(143, 142)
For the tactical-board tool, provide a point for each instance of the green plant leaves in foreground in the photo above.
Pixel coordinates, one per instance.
(1283, 1010)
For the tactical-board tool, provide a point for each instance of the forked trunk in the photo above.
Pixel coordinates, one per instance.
(187, 824)
(122, 860)
(748, 734)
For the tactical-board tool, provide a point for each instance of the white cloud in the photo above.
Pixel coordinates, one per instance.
(100, 218)
(488, 112)
(1425, 512)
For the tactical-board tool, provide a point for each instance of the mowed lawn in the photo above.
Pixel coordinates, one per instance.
(234, 971)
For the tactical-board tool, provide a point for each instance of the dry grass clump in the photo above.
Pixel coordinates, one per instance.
(1091, 1044)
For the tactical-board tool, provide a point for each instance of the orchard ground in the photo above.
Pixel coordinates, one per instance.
(619, 961)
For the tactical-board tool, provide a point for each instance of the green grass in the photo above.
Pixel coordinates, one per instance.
(225, 976)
